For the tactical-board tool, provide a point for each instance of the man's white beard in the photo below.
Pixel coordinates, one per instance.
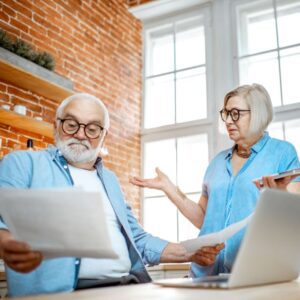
(79, 152)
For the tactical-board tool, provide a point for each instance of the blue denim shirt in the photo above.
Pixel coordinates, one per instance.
(232, 198)
(47, 168)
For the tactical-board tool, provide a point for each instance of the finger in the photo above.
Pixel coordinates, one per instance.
(25, 267)
(214, 249)
(204, 261)
(137, 181)
(159, 172)
(271, 182)
(220, 246)
(31, 256)
(257, 184)
(211, 256)
(207, 250)
(284, 181)
(265, 182)
(14, 246)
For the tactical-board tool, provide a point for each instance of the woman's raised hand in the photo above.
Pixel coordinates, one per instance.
(160, 182)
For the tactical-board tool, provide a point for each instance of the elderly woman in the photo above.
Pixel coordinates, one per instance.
(228, 193)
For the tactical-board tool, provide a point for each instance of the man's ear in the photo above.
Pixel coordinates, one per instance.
(103, 136)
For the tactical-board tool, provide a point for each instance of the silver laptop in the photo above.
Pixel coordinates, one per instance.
(270, 251)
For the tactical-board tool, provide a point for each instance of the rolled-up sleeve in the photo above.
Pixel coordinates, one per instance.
(149, 246)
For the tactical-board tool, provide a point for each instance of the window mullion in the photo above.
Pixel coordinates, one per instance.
(175, 74)
(177, 211)
(278, 50)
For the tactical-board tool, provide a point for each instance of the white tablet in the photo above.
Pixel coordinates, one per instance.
(292, 172)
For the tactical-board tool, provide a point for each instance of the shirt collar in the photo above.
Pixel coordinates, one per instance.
(255, 148)
(261, 142)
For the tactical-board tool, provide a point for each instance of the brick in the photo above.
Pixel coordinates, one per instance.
(6, 9)
(12, 31)
(96, 44)
(17, 24)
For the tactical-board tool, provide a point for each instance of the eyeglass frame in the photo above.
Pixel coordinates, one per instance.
(229, 112)
(79, 125)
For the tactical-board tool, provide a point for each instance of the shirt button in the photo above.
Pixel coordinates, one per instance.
(65, 166)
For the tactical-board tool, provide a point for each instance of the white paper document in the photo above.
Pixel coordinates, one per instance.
(58, 222)
(216, 237)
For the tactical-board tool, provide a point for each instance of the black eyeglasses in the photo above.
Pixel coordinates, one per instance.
(71, 126)
(234, 114)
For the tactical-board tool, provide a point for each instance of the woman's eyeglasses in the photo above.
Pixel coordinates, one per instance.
(234, 114)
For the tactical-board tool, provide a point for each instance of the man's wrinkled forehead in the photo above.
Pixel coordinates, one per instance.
(84, 111)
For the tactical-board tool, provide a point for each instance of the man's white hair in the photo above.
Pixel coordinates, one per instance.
(84, 97)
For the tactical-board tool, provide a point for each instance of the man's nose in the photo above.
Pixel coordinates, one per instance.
(80, 134)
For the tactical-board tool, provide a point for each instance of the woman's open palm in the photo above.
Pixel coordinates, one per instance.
(160, 182)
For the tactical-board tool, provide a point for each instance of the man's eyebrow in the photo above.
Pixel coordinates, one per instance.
(69, 115)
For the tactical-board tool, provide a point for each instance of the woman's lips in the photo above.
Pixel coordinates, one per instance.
(231, 130)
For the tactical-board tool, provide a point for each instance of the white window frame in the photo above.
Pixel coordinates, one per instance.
(204, 9)
(177, 130)
(222, 71)
(281, 113)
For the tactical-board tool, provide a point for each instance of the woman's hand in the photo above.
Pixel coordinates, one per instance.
(270, 182)
(160, 182)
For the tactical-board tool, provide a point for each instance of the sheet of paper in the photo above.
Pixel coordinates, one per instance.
(58, 222)
(216, 237)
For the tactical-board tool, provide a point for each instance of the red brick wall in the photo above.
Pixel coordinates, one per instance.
(132, 3)
(97, 45)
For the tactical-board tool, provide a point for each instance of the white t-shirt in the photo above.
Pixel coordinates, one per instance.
(103, 268)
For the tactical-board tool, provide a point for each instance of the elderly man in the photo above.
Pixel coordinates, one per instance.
(81, 125)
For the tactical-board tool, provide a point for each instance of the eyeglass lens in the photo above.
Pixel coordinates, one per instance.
(91, 130)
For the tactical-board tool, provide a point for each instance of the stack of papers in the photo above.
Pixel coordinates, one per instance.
(58, 222)
(216, 237)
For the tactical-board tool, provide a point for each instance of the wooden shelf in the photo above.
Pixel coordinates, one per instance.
(29, 81)
(26, 123)
(28, 75)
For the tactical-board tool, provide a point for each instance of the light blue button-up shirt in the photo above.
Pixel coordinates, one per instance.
(232, 198)
(46, 169)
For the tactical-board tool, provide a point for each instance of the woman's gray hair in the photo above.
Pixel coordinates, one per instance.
(85, 97)
(259, 102)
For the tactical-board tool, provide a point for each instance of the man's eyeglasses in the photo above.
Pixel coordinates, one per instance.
(234, 114)
(71, 126)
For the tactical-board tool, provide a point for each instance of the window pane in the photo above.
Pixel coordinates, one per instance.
(290, 70)
(160, 51)
(257, 29)
(192, 158)
(159, 102)
(190, 44)
(191, 95)
(292, 132)
(160, 218)
(276, 130)
(262, 69)
(160, 154)
(186, 229)
(288, 13)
